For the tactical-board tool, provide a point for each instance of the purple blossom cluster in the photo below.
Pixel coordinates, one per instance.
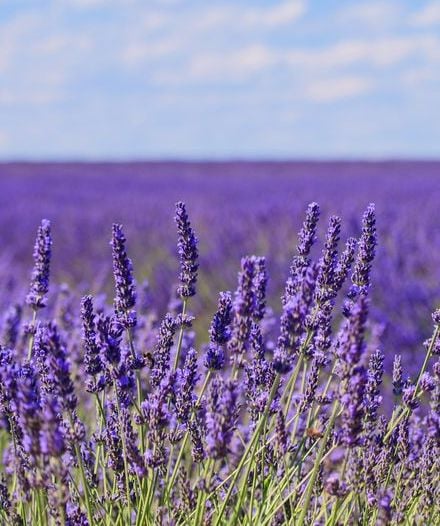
(112, 414)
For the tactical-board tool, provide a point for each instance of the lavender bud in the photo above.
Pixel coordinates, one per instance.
(408, 396)
(92, 360)
(162, 349)
(325, 287)
(366, 251)
(372, 390)
(307, 234)
(345, 262)
(397, 375)
(39, 287)
(185, 394)
(244, 303)
(260, 285)
(427, 383)
(288, 344)
(221, 416)
(125, 297)
(334, 487)
(188, 254)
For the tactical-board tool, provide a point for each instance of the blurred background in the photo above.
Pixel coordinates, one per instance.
(111, 110)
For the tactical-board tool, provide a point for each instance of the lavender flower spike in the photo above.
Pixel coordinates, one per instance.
(39, 288)
(307, 233)
(221, 416)
(92, 360)
(244, 304)
(188, 254)
(125, 298)
(219, 332)
(260, 284)
(366, 251)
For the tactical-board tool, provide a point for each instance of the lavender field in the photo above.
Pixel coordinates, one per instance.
(135, 389)
(237, 209)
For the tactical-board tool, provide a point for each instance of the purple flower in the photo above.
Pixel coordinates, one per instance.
(427, 383)
(289, 340)
(162, 349)
(372, 389)
(366, 252)
(221, 416)
(301, 262)
(92, 359)
(53, 366)
(186, 384)
(260, 285)
(188, 254)
(281, 434)
(109, 333)
(155, 411)
(28, 402)
(334, 486)
(111, 436)
(325, 282)
(397, 375)
(345, 261)
(307, 234)
(39, 287)
(219, 333)
(409, 395)
(52, 439)
(11, 325)
(350, 348)
(311, 386)
(244, 304)
(125, 297)
(436, 317)
(259, 376)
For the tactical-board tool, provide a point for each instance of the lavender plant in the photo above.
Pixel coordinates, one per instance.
(115, 417)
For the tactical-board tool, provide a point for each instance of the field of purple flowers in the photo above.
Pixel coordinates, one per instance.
(136, 389)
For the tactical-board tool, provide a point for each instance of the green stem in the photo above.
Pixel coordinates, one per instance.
(32, 338)
(311, 484)
(124, 449)
(248, 450)
(179, 342)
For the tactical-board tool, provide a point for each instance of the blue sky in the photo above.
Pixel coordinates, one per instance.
(122, 79)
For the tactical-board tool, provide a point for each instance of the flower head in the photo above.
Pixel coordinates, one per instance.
(39, 288)
(188, 254)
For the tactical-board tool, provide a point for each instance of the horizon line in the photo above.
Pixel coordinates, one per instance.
(225, 160)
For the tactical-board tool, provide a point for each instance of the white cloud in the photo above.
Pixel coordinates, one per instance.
(379, 52)
(156, 33)
(373, 15)
(428, 16)
(244, 18)
(277, 15)
(246, 62)
(237, 65)
(332, 89)
(137, 52)
(13, 35)
(60, 43)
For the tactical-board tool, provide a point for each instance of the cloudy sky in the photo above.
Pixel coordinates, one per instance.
(93, 79)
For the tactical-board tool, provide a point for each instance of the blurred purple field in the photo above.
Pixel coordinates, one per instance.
(236, 208)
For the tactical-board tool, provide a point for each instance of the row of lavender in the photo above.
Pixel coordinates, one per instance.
(238, 209)
(115, 417)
